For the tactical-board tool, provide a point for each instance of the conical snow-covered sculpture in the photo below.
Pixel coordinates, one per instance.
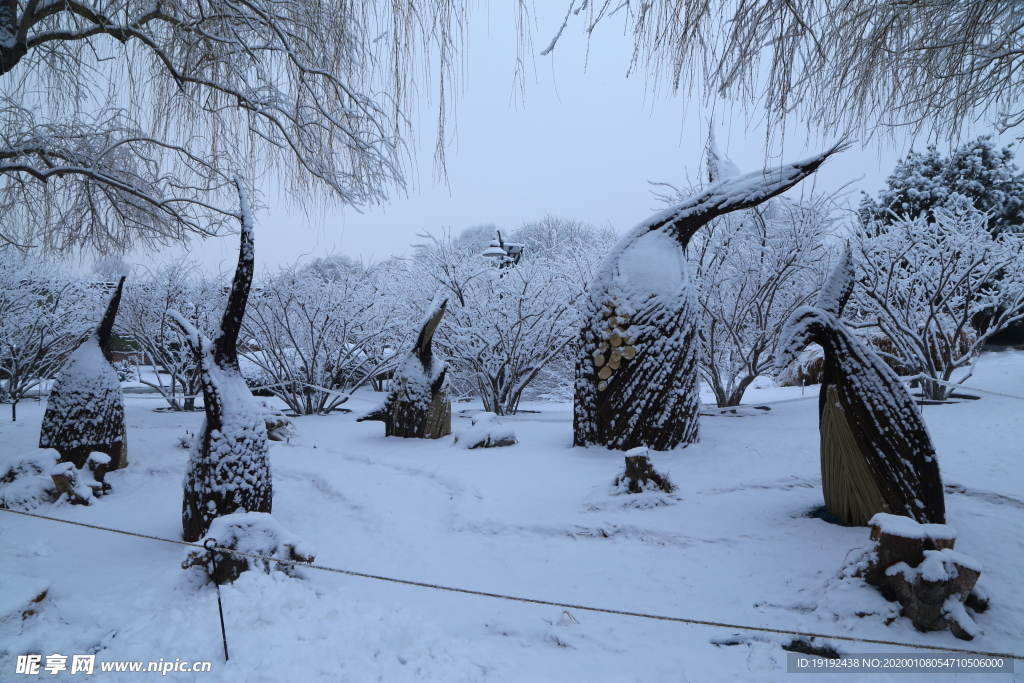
(418, 405)
(876, 455)
(636, 372)
(228, 467)
(85, 410)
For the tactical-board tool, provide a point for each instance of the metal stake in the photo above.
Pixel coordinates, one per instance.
(211, 544)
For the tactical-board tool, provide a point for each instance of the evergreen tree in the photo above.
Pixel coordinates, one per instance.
(977, 170)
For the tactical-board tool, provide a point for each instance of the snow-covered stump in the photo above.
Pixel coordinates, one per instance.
(637, 368)
(85, 409)
(486, 431)
(418, 405)
(280, 427)
(229, 467)
(83, 486)
(259, 536)
(640, 475)
(915, 565)
(876, 454)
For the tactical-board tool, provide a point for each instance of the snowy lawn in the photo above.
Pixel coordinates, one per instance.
(532, 520)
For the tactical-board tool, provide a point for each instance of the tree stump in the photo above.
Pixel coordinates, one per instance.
(640, 475)
(915, 565)
(252, 533)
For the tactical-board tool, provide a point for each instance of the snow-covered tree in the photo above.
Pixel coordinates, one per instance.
(508, 326)
(44, 314)
(636, 372)
(417, 405)
(318, 333)
(122, 121)
(180, 286)
(925, 279)
(752, 269)
(839, 65)
(876, 455)
(976, 170)
(229, 465)
(85, 410)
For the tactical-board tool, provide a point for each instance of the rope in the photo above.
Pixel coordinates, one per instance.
(534, 601)
(957, 385)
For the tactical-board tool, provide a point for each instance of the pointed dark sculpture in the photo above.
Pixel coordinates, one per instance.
(85, 410)
(636, 372)
(876, 455)
(229, 467)
(417, 405)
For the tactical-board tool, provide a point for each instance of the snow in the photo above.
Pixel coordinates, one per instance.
(486, 431)
(652, 265)
(736, 546)
(905, 527)
(19, 593)
(256, 533)
(25, 482)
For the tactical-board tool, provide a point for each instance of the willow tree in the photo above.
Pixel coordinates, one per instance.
(85, 410)
(636, 369)
(876, 455)
(121, 121)
(885, 64)
(229, 464)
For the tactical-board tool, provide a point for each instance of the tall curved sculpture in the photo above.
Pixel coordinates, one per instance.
(636, 372)
(417, 405)
(876, 455)
(229, 464)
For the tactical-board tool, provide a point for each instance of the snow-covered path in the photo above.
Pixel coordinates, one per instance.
(532, 520)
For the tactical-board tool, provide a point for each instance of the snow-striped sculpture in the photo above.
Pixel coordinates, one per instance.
(417, 405)
(85, 410)
(636, 372)
(876, 455)
(228, 466)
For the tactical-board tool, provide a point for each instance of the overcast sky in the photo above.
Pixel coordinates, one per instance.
(581, 143)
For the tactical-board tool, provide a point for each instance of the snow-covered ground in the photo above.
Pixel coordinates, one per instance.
(533, 520)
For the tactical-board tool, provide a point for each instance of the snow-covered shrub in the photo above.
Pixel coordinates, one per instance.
(27, 484)
(805, 370)
(486, 432)
(126, 372)
(180, 286)
(318, 333)
(279, 426)
(751, 270)
(508, 330)
(254, 533)
(44, 314)
(925, 280)
(977, 171)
